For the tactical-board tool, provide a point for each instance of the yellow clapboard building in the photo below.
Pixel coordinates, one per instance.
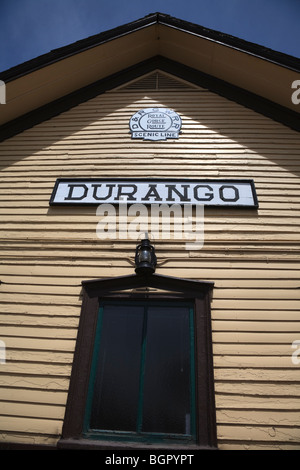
(105, 143)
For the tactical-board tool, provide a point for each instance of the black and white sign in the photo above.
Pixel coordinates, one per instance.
(155, 124)
(228, 193)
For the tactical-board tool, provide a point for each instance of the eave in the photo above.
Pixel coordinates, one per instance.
(47, 85)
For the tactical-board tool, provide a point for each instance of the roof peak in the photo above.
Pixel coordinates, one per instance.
(242, 45)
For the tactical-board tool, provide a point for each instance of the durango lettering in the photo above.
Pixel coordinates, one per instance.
(182, 193)
(200, 192)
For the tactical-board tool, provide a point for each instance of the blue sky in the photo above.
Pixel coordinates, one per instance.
(29, 28)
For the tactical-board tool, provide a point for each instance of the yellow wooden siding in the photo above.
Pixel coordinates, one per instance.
(252, 256)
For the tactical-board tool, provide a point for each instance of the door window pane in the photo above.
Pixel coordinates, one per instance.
(143, 369)
(167, 371)
(116, 389)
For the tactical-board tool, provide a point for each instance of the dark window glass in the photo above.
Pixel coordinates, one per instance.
(116, 390)
(142, 379)
(167, 371)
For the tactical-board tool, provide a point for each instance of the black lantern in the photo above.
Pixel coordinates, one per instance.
(145, 259)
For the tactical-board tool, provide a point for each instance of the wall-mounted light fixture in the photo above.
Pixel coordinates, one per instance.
(145, 258)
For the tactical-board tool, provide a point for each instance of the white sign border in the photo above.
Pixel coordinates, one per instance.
(250, 182)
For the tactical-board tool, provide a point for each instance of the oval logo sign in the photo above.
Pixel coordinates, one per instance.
(155, 124)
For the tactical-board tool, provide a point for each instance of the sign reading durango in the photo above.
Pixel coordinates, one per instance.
(238, 193)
